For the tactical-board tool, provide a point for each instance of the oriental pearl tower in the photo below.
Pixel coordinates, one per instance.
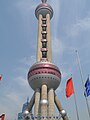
(44, 77)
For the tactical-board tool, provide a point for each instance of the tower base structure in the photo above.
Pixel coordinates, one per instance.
(43, 101)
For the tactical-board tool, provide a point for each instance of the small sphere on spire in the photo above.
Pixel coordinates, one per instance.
(44, 1)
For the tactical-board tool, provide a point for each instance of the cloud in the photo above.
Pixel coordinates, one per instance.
(21, 70)
(12, 96)
(11, 104)
(25, 7)
(22, 81)
(21, 74)
(5, 109)
(80, 26)
(56, 17)
(58, 46)
(28, 60)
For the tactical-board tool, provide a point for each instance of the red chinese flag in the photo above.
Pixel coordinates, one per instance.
(69, 88)
(2, 116)
(0, 77)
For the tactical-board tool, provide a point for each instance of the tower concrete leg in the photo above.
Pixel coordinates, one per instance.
(29, 108)
(49, 55)
(43, 101)
(37, 103)
(51, 103)
(59, 106)
(39, 45)
(31, 103)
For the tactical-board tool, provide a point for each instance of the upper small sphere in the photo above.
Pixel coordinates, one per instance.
(44, 9)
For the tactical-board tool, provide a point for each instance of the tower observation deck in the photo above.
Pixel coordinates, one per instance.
(44, 77)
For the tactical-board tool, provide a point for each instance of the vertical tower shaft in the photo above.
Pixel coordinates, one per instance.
(49, 54)
(39, 45)
(44, 51)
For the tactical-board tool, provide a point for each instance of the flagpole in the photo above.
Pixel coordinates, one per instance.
(75, 103)
(81, 74)
(76, 106)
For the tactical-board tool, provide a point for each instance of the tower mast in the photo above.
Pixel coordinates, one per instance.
(44, 77)
(44, 13)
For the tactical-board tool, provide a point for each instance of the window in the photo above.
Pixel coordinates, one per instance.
(44, 28)
(44, 36)
(44, 54)
(44, 45)
(43, 21)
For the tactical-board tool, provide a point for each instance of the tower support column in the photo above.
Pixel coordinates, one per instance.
(31, 103)
(49, 54)
(37, 103)
(44, 101)
(29, 107)
(39, 45)
(51, 103)
(60, 108)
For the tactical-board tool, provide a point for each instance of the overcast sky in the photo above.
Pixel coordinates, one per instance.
(70, 31)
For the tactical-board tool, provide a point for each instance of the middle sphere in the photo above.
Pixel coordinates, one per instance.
(44, 73)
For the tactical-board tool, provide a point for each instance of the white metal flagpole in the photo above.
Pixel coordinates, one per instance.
(76, 106)
(81, 74)
(75, 102)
